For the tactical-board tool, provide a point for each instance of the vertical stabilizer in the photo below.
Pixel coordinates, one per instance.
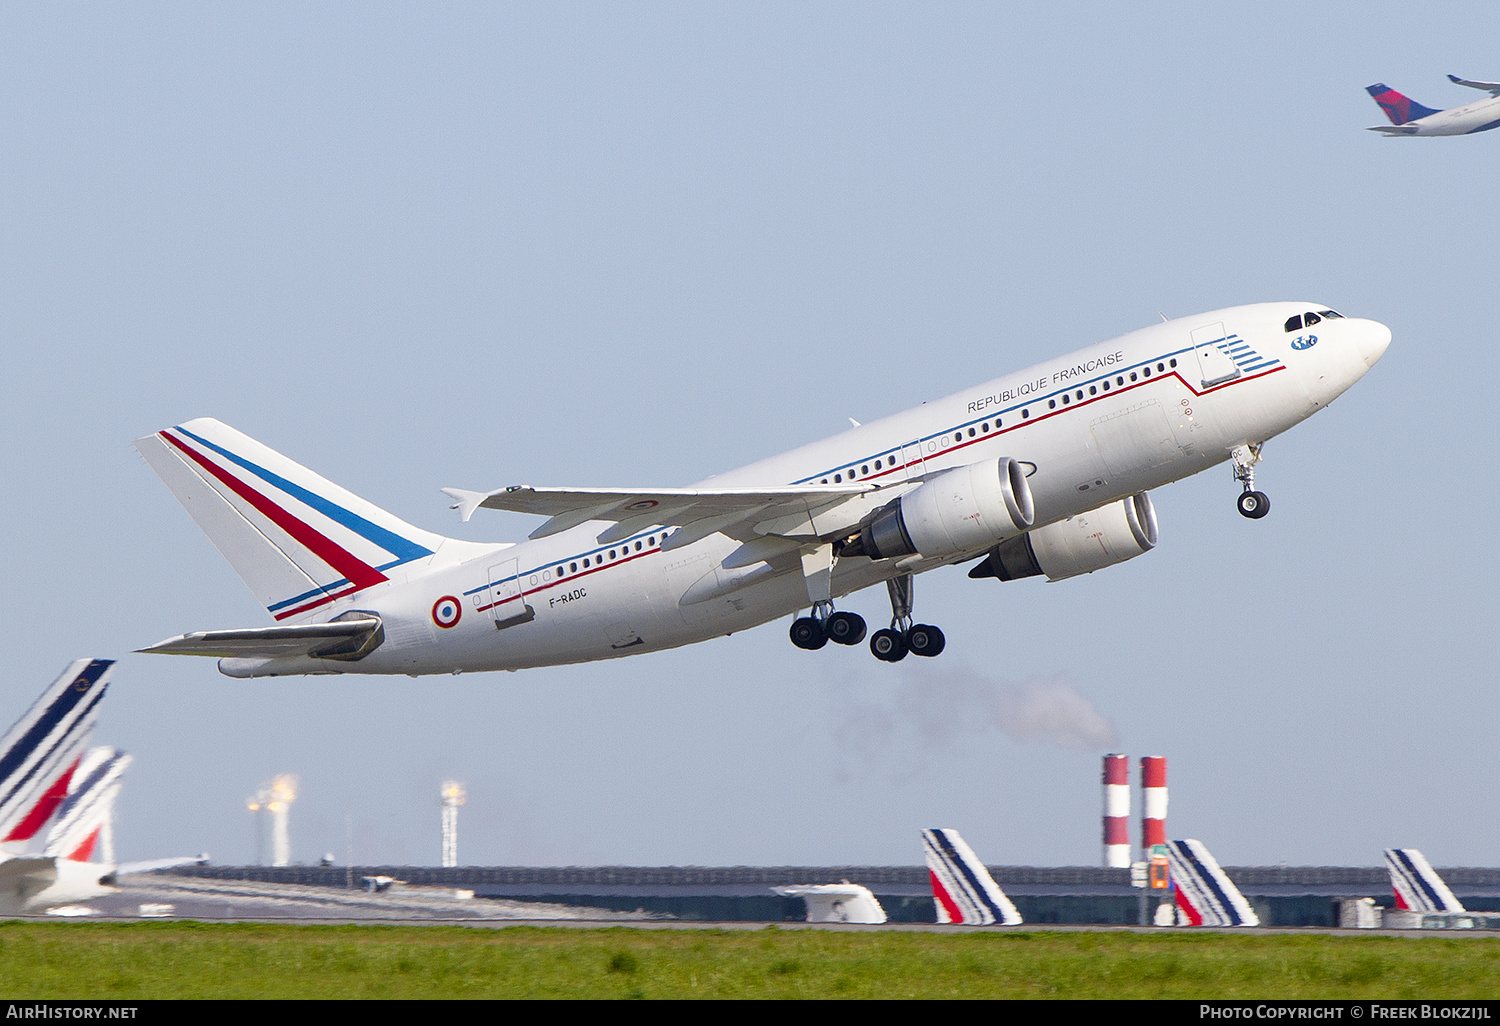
(40, 752)
(1400, 109)
(1205, 894)
(299, 541)
(1418, 887)
(86, 816)
(962, 887)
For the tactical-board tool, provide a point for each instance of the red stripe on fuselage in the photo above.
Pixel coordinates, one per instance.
(359, 573)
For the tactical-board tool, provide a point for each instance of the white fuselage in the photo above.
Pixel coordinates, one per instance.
(1478, 116)
(1099, 424)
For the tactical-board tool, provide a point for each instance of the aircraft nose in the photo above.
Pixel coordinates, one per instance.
(1373, 339)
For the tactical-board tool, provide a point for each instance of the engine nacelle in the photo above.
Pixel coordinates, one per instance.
(957, 511)
(1078, 545)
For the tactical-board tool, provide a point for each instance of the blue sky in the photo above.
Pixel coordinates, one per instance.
(423, 245)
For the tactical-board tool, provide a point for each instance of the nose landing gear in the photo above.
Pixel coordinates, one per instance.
(1250, 503)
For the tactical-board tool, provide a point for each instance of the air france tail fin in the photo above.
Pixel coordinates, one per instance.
(40, 753)
(962, 887)
(1205, 894)
(85, 818)
(1417, 886)
(1400, 109)
(297, 540)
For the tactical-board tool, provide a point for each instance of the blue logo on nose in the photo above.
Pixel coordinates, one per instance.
(1304, 342)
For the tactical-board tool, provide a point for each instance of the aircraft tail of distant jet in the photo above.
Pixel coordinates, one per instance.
(1205, 894)
(1401, 109)
(85, 815)
(1417, 886)
(962, 887)
(40, 753)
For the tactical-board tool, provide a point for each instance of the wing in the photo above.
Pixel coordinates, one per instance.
(790, 509)
(1493, 88)
(348, 639)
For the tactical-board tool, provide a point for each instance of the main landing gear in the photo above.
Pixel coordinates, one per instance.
(892, 644)
(1250, 503)
(812, 632)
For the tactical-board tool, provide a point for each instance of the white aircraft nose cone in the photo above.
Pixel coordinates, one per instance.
(1374, 337)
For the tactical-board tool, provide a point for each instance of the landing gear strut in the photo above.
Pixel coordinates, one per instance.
(892, 644)
(1250, 503)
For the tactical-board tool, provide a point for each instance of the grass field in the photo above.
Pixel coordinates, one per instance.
(200, 960)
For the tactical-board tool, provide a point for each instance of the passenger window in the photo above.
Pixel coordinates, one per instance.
(585, 564)
(1160, 367)
(985, 427)
(971, 432)
(1145, 372)
(651, 540)
(1095, 391)
(1294, 322)
(611, 553)
(637, 546)
(825, 480)
(573, 567)
(1310, 319)
(559, 571)
(1079, 395)
(1132, 375)
(877, 464)
(1025, 414)
(1066, 398)
(1174, 363)
(1051, 404)
(1121, 381)
(838, 478)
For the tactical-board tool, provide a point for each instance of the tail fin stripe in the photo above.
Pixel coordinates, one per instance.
(26, 745)
(975, 890)
(951, 912)
(1414, 878)
(403, 549)
(319, 592)
(360, 573)
(42, 811)
(1217, 899)
(85, 851)
(72, 736)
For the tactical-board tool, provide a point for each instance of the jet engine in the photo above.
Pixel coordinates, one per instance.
(1078, 545)
(957, 511)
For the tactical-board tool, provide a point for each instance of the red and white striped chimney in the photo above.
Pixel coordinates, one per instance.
(1153, 802)
(1116, 811)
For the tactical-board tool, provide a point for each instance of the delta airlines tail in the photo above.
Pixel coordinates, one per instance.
(1205, 894)
(1417, 886)
(962, 887)
(40, 754)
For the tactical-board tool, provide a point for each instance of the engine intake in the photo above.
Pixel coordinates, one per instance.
(1078, 545)
(957, 511)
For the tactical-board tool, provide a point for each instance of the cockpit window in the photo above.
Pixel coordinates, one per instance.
(1294, 322)
(1311, 319)
(1329, 315)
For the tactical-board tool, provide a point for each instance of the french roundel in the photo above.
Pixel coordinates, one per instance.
(446, 611)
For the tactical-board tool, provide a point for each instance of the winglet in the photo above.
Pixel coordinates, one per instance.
(466, 502)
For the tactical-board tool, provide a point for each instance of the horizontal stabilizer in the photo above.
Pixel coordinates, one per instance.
(1205, 894)
(1417, 885)
(669, 507)
(1394, 129)
(962, 887)
(152, 865)
(346, 639)
(1493, 88)
(24, 877)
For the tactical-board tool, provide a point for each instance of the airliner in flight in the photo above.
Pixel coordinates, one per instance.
(1408, 117)
(1044, 472)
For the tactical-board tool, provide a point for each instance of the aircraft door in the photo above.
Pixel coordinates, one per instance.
(1214, 362)
(911, 458)
(507, 603)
